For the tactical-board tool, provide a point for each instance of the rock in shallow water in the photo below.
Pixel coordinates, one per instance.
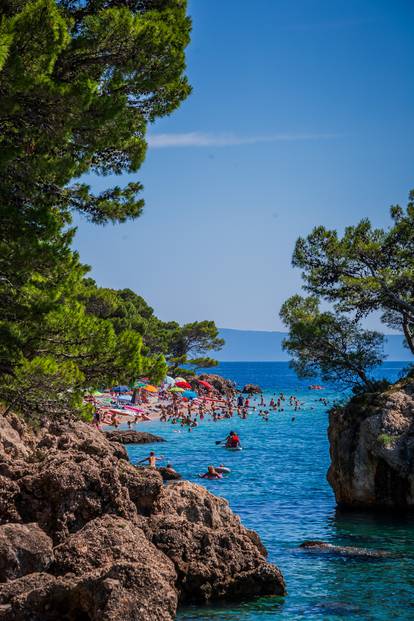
(372, 450)
(109, 540)
(222, 385)
(347, 551)
(132, 437)
(252, 389)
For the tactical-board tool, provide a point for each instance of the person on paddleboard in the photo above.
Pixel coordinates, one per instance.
(233, 440)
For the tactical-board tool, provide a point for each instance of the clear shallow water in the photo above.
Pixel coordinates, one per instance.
(278, 487)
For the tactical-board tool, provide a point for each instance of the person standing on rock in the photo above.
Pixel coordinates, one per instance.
(97, 418)
(151, 459)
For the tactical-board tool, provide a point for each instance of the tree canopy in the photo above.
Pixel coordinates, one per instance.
(79, 82)
(182, 347)
(329, 344)
(366, 269)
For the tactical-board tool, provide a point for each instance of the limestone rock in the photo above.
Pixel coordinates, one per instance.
(214, 555)
(130, 436)
(118, 591)
(9, 491)
(68, 489)
(86, 535)
(16, 441)
(224, 386)
(80, 437)
(252, 389)
(372, 449)
(24, 548)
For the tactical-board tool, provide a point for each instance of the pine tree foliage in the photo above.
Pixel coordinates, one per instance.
(79, 83)
(363, 271)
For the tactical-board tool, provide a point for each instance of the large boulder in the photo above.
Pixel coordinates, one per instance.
(24, 548)
(76, 436)
(67, 490)
(214, 555)
(118, 591)
(35, 597)
(85, 535)
(111, 545)
(372, 449)
(223, 386)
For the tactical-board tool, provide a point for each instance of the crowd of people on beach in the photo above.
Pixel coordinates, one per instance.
(113, 408)
(189, 413)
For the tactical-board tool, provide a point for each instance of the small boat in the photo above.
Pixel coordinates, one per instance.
(233, 448)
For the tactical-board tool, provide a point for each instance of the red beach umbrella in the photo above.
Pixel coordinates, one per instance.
(206, 384)
(183, 385)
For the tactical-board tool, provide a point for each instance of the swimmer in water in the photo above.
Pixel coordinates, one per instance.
(211, 474)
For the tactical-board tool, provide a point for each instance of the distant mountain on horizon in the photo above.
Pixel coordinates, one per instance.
(262, 346)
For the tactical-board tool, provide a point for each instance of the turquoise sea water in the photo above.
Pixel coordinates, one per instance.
(278, 487)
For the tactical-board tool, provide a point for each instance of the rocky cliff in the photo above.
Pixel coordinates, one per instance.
(372, 449)
(86, 536)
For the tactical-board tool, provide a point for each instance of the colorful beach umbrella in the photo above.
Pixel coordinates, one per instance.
(206, 384)
(150, 388)
(176, 389)
(183, 384)
(179, 379)
(139, 384)
(120, 389)
(170, 381)
(189, 394)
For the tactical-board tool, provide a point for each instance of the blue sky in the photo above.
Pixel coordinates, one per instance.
(302, 113)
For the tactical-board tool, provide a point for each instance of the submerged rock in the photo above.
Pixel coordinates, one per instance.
(372, 449)
(348, 551)
(87, 536)
(132, 437)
